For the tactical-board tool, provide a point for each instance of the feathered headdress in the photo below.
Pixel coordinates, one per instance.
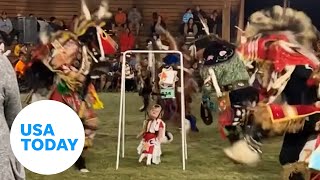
(82, 31)
(71, 53)
(278, 19)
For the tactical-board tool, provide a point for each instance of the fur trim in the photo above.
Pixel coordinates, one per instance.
(263, 117)
(277, 19)
(168, 138)
(240, 152)
(298, 167)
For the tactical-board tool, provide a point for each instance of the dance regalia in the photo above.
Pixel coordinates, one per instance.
(83, 107)
(153, 135)
(273, 51)
(226, 88)
(69, 56)
(168, 94)
(150, 145)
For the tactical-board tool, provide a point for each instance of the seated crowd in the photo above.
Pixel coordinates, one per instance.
(125, 29)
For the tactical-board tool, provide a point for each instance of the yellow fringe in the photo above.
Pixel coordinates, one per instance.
(17, 49)
(97, 104)
(82, 109)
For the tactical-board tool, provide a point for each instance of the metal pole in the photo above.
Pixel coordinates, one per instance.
(183, 115)
(120, 115)
(186, 145)
(123, 91)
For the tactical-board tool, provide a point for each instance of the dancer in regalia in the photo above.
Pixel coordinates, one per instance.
(298, 92)
(70, 56)
(280, 56)
(153, 134)
(150, 77)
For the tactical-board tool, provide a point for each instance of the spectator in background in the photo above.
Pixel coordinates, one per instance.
(6, 29)
(185, 18)
(135, 18)
(234, 16)
(219, 24)
(129, 75)
(212, 22)
(187, 15)
(197, 14)
(155, 17)
(120, 18)
(190, 31)
(53, 26)
(133, 61)
(109, 26)
(160, 22)
(127, 40)
(43, 25)
(38, 25)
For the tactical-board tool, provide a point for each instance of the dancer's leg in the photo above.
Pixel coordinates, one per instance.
(81, 164)
(293, 143)
(233, 134)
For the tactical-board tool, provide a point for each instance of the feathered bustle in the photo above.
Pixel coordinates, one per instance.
(278, 19)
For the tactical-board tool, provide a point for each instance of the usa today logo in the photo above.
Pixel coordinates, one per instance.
(47, 137)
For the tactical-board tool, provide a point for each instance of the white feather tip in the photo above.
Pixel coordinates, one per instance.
(103, 11)
(85, 10)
